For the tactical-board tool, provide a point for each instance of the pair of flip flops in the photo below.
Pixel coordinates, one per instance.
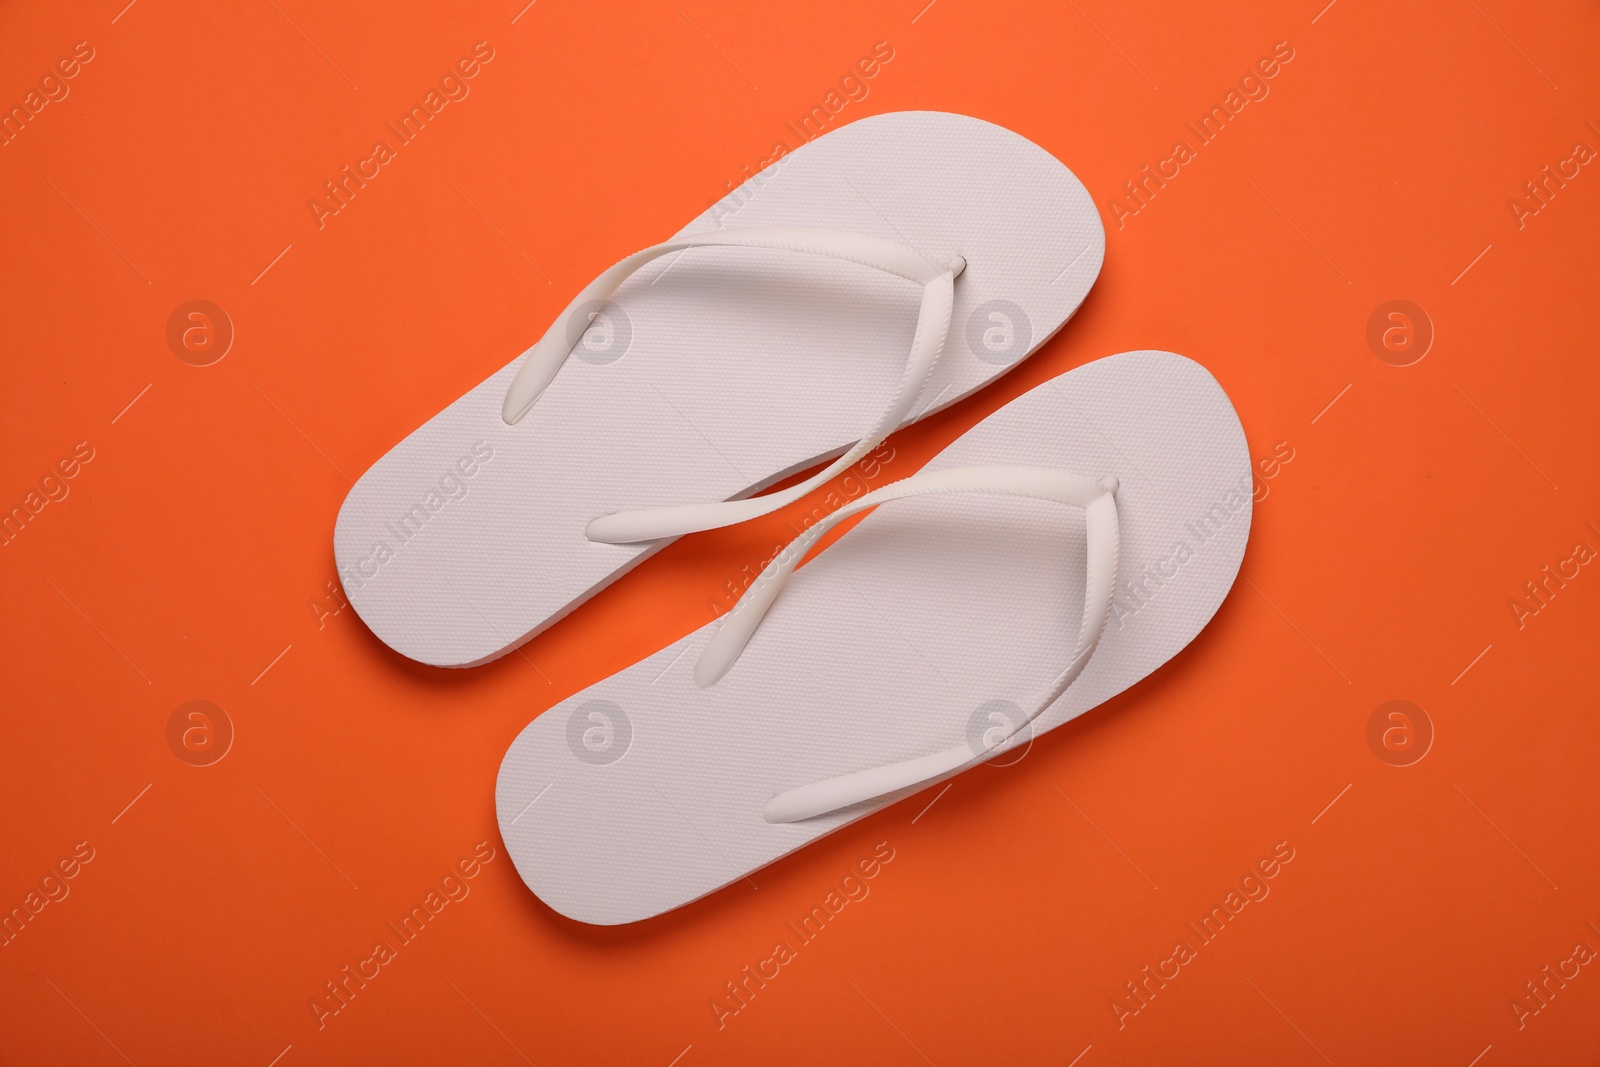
(1052, 556)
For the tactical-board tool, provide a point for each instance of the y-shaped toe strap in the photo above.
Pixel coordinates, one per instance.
(1095, 496)
(546, 357)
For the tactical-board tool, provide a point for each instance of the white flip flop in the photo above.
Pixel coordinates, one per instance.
(970, 615)
(765, 337)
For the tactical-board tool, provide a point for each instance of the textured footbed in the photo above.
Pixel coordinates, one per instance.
(644, 792)
(715, 373)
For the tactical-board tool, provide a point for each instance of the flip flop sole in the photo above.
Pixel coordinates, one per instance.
(713, 374)
(644, 792)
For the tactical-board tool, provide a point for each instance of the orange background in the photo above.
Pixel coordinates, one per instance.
(194, 547)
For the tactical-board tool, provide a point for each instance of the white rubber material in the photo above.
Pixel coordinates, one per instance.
(933, 623)
(927, 342)
(727, 369)
(547, 355)
(1098, 501)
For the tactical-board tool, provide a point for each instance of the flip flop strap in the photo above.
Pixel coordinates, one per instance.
(545, 358)
(1097, 499)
